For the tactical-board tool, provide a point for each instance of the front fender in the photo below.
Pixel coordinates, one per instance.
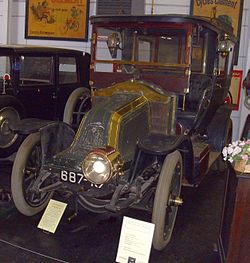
(160, 146)
(55, 137)
(28, 126)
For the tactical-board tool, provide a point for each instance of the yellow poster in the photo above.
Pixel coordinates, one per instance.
(57, 19)
(229, 11)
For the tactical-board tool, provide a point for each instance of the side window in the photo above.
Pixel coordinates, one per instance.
(67, 70)
(171, 49)
(4, 65)
(36, 70)
(145, 51)
(197, 56)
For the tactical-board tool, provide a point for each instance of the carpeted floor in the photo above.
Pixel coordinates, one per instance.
(92, 238)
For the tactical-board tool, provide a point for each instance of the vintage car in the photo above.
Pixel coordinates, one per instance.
(158, 121)
(36, 82)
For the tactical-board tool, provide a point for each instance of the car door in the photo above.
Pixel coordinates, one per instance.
(36, 87)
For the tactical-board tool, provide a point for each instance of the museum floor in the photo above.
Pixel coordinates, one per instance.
(91, 238)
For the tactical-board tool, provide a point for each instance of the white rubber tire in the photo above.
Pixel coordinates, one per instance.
(18, 176)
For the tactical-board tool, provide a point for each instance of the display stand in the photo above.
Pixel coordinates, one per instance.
(234, 237)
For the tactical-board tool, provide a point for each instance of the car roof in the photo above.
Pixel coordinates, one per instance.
(214, 24)
(37, 49)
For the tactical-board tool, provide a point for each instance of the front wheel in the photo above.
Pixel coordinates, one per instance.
(25, 171)
(167, 199)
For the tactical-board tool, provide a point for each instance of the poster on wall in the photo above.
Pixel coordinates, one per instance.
(228, 11)
(57, 19)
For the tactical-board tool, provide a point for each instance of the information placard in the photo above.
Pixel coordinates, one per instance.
(52, 216)
(135, 241)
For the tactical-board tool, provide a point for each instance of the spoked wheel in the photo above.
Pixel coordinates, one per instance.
(25, 171)
(77, 105)
(167, 199)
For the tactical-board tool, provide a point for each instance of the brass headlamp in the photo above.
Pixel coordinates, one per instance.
(100, 165)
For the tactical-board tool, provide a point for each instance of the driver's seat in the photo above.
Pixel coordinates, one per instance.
(197, 106)
(197, 122)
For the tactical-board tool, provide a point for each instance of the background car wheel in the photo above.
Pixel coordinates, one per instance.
(11, 111)
(167, 199)
(77, 105)
(25, 170)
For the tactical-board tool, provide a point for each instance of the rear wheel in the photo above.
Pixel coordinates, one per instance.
(167, 199)
(25, 171)
(77, 105)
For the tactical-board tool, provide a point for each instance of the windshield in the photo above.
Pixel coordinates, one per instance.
(143, 46)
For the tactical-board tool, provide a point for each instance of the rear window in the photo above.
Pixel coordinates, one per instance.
(37, 70)
(67, 70)
(4, 65)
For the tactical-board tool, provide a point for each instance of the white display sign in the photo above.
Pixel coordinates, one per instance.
(52, 216)
(135, 241)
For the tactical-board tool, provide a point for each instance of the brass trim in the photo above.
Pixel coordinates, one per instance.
(116, 119)
(176, 201)
(134, 87)
(140, 63)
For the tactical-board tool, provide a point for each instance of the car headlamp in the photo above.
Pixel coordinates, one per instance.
(100, 165)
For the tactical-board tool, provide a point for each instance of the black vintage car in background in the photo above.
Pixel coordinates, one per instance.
(36, 82)
(158, 121)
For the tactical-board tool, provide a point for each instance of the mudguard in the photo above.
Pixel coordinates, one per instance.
(218, 134)
(28, 126)
(55, 135)
(160, 145)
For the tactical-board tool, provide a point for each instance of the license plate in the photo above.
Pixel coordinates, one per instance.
(72, 177)
(76, 178)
